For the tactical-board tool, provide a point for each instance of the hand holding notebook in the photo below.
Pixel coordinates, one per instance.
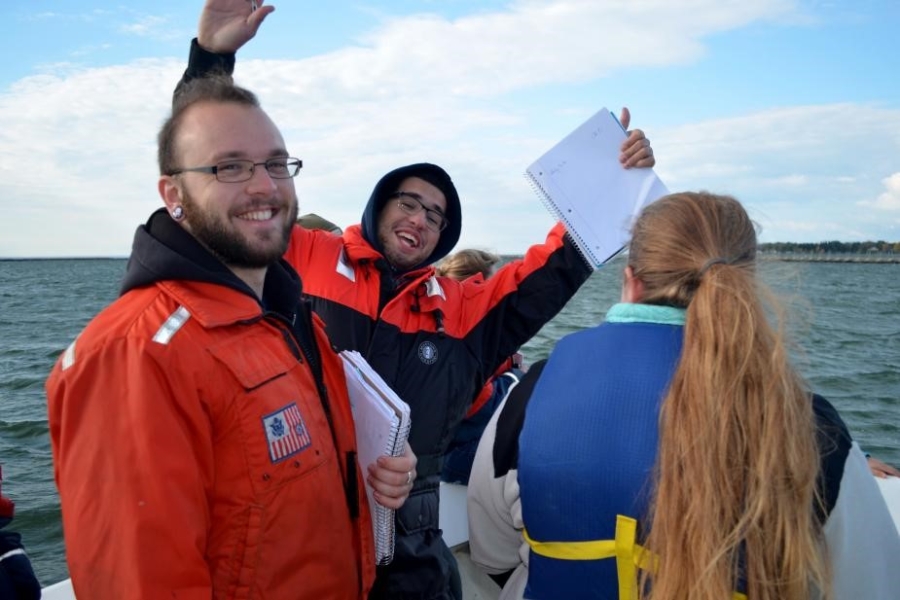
(582, 183)
(382, 425)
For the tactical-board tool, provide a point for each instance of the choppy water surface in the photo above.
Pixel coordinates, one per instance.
(846, 319)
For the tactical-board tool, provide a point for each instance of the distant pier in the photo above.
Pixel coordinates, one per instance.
(885, 259)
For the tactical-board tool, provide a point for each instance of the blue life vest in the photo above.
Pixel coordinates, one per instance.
(587, 450)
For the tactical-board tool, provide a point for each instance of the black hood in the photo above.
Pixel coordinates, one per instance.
(390, 183)
(163, 250)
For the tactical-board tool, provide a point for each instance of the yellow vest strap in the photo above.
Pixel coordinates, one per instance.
(629, 555)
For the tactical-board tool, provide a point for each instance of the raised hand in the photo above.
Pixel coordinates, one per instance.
(226, 25)
(636, 150)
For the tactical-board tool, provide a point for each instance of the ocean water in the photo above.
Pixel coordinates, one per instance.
(845, 318)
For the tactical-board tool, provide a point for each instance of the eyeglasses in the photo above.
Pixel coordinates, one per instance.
(434, 219)
(238, 170)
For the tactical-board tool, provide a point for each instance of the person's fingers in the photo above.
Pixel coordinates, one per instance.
(625, 118)
(636, 151)
(391, 488)
(259, 15)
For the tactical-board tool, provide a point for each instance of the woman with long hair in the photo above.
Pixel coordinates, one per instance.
(673, 452)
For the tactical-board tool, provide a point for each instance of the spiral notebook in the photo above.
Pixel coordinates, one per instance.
(582, 183)
(382, 426)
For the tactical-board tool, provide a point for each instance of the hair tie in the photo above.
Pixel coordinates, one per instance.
(713, 261)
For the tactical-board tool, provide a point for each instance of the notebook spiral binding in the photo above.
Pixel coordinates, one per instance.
(546, 200)
(384, 517)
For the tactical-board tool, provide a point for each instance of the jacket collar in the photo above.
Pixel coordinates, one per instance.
(164, 253)
(215, 305)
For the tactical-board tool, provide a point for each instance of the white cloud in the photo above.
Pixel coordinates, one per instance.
(889, 199)
(91, 16)
(82, 52)
(535, 43)
(800, 229)
(43, 16)
(150, 26)
(77, 146)
(77, 158)
(790, 181)
(155, 27)
(796, 168)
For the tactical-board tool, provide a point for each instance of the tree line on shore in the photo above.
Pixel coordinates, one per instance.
(833, 247)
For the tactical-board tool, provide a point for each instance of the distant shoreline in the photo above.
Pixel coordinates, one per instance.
(20, 259)
(884, 259)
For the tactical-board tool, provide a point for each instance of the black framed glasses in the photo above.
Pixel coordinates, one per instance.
(412, 204)
(238, 170)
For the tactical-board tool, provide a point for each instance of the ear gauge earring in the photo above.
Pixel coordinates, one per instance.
(177, 213)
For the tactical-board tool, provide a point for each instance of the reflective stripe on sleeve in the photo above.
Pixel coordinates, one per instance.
(172, 325)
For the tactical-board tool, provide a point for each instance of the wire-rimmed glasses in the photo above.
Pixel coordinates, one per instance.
(412, 204)
(237, 170)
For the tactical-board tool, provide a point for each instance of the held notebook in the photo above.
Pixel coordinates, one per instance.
(582, 183)
(382, 426)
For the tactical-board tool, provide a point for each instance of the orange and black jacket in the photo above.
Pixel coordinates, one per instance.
(435, 341)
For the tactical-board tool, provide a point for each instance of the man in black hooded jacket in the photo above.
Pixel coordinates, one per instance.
(434, 340)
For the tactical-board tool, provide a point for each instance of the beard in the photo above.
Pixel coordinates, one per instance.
(398, 259)
(228, 244)
(400, 262)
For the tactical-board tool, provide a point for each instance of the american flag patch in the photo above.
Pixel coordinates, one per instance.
(285, 432)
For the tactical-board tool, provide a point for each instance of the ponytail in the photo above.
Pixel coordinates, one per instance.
(735, 480)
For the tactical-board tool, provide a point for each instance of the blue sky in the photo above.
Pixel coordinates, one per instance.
(790, 105)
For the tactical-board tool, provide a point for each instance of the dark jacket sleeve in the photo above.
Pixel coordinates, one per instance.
(17, 579)
(532, 291)
(202, 63)
(834, 441)
(511, 421)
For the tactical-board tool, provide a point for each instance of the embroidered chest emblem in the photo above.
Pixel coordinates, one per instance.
(286, 432)
(428, 353)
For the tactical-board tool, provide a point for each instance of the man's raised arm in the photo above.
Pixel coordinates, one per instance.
(225, 26)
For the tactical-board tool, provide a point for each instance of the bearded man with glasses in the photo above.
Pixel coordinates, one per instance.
(434, 340)
(202, 436)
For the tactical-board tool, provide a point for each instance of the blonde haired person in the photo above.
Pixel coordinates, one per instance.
(673, 451)
(468, 262)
